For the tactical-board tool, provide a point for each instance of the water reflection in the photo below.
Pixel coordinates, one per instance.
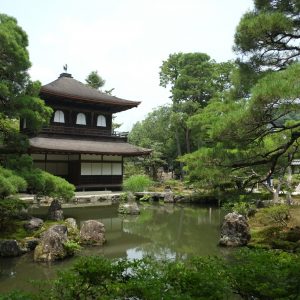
(161, 231)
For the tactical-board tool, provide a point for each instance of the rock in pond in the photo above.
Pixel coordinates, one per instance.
(92, 232)
(130, 208)
(33, 224)
(55, 212)
(51, 246)
(169, 196)
(235, 231)
(10, 248)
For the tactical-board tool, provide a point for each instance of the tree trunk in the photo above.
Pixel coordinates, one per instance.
(187, 140)
(179, 153)
(289, 199)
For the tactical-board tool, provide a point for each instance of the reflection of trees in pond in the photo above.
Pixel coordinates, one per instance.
(177, 231)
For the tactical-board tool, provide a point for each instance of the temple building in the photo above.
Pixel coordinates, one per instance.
(80, 144)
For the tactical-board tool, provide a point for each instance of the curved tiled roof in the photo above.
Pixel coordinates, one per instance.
(86, 146)
(68, 87)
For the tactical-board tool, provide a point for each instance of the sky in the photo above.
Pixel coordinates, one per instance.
(126, 41)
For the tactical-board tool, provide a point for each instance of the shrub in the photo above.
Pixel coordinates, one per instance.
(243, 208)
(71, 247)
(9, 209)
(45, 184)
(137, 183)
(278, 214)
(265, 274)
(10, 183)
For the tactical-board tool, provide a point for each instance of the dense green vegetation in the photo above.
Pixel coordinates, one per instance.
(255, 274)
(137, 183)
(19, 102)
(233, 125)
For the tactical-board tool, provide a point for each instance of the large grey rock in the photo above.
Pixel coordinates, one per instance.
(55, 212)
(33, 224)
(129, 208)
(235, 231)
(51, 246)
(92, 232)
(10, 248)
(169, 196)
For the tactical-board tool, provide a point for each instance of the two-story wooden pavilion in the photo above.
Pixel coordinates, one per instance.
(80, 144)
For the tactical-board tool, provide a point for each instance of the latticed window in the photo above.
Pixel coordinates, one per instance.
(81, 119)
(59, 117)
(101, 121)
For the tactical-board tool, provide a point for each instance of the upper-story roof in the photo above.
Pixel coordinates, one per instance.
(67, 87)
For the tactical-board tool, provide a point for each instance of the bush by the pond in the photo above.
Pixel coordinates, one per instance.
(252, 274)
(137, 183)
(10, 206)
(262, 274)
(43, 183)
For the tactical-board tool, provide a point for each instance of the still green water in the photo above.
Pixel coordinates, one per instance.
(161, 230)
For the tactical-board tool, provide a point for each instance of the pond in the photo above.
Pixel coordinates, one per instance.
(161, 230)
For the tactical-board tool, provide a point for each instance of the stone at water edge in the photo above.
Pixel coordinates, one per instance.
(169, 196)
(92, 232)
(129, 208)
(235, 231)
(51, 246)
(10, 248)
(33, 224)
(55, 212)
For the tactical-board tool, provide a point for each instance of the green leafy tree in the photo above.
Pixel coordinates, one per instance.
(94, 80)
(194, 79)
(19, 100)
(268, 36)
(18, 95)
(154, 132)
(249, 140)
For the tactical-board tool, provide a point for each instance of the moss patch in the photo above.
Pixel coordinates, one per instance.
(265, 233)
(15, 231)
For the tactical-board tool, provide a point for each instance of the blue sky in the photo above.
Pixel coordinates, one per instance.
(125, 40)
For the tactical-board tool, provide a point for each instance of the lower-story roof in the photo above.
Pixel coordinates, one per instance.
(68, 145)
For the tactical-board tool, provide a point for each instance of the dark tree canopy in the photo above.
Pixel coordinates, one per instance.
(269, 35)
(18, 95)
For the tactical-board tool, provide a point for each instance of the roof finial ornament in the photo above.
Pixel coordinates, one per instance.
(65, 67)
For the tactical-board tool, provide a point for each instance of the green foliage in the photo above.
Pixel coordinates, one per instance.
(133, 167)
(154, 133)
(71, 247)
(246, 140)
(137, 183)
(45, 184)
(194, 77)
(278, 214)
(252, 274)
(19, 295)
(199, 278)
(243, 208)
(268, 35)
(94, 80)
(10, 208)
(18, 95)
(10, 183)
(261, 274)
